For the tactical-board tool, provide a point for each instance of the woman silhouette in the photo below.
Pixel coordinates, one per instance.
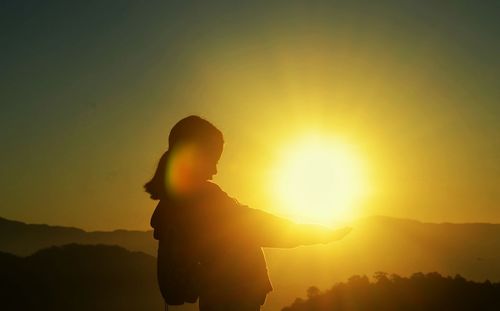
(210, 245)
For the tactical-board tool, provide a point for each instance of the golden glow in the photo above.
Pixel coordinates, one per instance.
(320, 180)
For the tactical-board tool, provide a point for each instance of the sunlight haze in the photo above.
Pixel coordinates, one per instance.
(89, 94)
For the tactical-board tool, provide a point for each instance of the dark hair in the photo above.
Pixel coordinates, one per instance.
(191, 129)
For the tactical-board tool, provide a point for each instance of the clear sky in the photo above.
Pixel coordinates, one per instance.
(90, 89)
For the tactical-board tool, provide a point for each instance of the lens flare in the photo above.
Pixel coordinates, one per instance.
(181, 169)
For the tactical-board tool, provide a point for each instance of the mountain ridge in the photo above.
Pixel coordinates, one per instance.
(22, 239)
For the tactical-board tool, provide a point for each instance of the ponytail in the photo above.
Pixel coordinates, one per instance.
(157, 187)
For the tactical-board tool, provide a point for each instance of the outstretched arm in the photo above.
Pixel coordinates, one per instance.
(269, 230)
(255, 226)
(312, 234)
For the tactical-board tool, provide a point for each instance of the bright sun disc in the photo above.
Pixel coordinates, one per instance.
(319, 180)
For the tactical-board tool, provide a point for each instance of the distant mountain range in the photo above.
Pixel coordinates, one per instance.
(376, 244)
(23, 239)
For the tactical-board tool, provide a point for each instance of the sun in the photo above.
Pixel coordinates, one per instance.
(319, 179)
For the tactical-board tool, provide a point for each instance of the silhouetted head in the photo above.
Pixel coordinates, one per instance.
(194, 148)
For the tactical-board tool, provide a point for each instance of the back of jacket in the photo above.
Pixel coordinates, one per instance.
(177, 259)
(210, 246)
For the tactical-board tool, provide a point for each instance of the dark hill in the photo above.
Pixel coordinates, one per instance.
(79, 277)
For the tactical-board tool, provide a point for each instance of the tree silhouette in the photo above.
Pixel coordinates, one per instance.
(420, 291)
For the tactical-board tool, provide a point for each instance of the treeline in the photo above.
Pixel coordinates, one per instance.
(392, 292)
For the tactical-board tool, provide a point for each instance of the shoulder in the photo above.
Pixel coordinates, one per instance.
(209, 186)
(210, 190)
(213, 194)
